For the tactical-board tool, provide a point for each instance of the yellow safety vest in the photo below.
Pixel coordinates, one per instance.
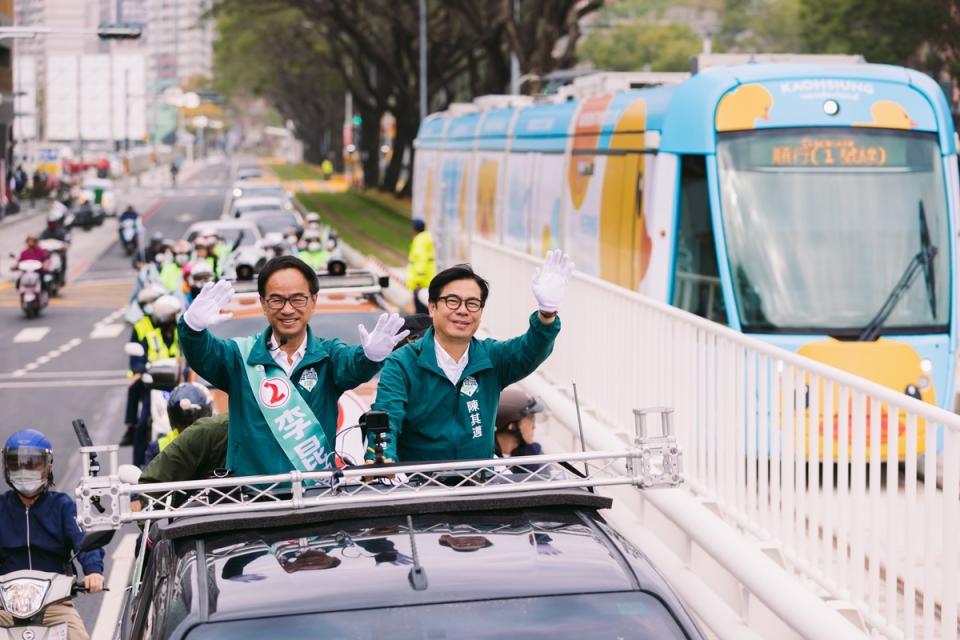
(171, 277)
(422, 264)
(142, 327)
(157, 349)
(168, 438)
(316, 259)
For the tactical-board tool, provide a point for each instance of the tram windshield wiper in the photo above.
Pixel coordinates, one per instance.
(922, 262)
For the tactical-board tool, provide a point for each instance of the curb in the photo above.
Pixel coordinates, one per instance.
(25, 213)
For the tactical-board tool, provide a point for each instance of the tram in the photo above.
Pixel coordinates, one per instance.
(812, 206)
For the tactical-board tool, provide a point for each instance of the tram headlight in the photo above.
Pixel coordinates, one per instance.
(831, 107)
(926, 366)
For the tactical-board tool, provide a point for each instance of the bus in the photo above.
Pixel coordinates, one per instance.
(811, 206)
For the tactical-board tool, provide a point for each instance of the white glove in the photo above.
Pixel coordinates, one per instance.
(550, 280)
(379, 343)
(204, 311)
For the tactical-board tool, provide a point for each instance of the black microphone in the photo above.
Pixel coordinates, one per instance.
(283, 341)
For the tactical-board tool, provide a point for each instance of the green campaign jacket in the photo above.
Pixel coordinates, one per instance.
(433, 419)
(335, 367)
(194, 455)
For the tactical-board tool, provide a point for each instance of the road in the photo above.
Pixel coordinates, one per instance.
(69, 363)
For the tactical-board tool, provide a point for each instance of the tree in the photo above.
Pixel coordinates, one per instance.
(251, 45)
(915, 33)
(762, 26)
(638, 47)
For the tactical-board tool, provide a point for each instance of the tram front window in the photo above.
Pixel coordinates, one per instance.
(821, 224)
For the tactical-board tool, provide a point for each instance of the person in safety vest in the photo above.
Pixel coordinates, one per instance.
(188, 402)
(38, 527)
(159, 343)
(421, 265)
(283, 384)
(145, 299)
(314, 254)
(203, 252)
(198, 453)
(171, 271)
(441, 392)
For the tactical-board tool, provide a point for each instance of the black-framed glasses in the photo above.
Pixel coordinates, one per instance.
(297, 301)
(453, 303)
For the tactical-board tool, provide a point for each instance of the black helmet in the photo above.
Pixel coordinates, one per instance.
(188, 403)
(28, 462)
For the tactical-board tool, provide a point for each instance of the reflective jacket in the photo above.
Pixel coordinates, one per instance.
(43, 536)
(171, 278)
(316, 259)
(422, 261)
(433, 419)
(334, 367)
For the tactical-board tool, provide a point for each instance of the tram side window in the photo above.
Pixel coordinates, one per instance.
(696, 279)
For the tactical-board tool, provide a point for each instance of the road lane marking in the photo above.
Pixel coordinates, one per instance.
(121, 565)
(31, 334)
(44, 359)
(59, 375)
(60, 384)
(106, 331)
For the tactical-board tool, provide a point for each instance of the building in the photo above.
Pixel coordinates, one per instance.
(179, 40)
(7, 95)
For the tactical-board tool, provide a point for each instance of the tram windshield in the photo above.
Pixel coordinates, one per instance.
(821, 225)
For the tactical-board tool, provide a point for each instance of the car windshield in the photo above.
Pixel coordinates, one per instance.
(618, 615)
(249, 208)
(230, 236)
(262, 192)
(821, 224)
(324, 325)
(279, 221)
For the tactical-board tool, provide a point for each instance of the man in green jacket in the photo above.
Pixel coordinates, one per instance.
(195, 455)
(441, 392)
(283, 383)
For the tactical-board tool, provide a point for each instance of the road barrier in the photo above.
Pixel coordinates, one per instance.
(749, 417)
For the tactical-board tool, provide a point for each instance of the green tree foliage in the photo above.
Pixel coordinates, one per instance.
(762, 26)
(250, 46)
(638, 47)
(917, 33)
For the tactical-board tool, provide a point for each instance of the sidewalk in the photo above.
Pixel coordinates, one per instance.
(87, 246)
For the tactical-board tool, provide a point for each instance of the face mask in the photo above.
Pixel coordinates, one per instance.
(314, 246)
(182, 258)
(28, 483)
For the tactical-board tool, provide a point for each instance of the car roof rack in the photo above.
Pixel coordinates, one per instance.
(104, 501)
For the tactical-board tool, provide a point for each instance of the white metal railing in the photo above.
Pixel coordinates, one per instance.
(104, 501)
(746, 416)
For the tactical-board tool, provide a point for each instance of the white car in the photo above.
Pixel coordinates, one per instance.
(249, 188)
(108, 200)
(249, 173)
(245, 261)
(245, 205)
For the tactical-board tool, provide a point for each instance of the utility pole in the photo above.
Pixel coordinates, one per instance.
(514, 61)
(423, 59)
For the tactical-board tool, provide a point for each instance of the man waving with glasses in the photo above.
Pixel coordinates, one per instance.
(441, 392)
(283, 383)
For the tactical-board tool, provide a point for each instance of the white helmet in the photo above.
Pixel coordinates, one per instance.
(200, 271)
(165, 309)
(57, 211)
(273, 239)
(149, 294)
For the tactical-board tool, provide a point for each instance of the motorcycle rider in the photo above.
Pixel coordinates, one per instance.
(159, 343)
(203, 252)
(57, 229)
(129, 214)
(156, 246)
(188, 402)
(200, 274)
(38, 527)
(34, 251)
(141, 329)
(171, 273)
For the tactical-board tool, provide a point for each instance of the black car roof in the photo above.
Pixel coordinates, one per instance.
(327, 559)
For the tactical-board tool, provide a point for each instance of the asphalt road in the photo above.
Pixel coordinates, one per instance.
(69, 363)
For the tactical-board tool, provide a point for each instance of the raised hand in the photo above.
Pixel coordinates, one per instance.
(379, 343)
(550, 280)
(204, 311)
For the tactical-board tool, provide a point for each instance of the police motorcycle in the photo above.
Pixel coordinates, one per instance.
(33, 296)
(159, 378)
(55, 276)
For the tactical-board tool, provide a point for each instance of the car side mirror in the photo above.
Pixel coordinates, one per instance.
(384, 282)
(134, 350)
(96, 539)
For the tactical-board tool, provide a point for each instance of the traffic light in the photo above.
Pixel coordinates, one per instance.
(357, 120)
(119, 31)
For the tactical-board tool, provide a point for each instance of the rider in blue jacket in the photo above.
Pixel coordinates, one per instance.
(38, 527)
